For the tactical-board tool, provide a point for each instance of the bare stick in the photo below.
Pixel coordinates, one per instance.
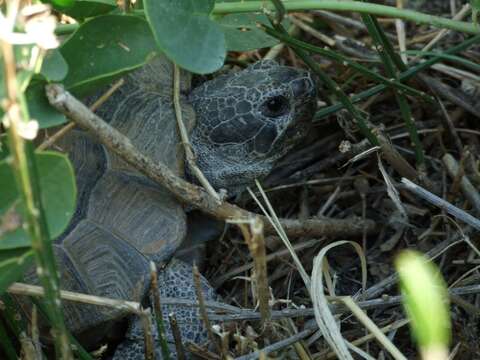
(256, 244)
(28, 348)
(360, 341)
(202, 309)
(467, 187)
(315, 33)
(184, 137)
(441, 33)
(183, 190)
(439, 202)
(146, 318)
(63, 131)
(36, 333)
(177, 336)
(34, 290)
(278, 345)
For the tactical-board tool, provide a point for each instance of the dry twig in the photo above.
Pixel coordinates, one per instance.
(183, 190)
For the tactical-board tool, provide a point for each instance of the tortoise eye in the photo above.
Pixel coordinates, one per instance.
(275, 106)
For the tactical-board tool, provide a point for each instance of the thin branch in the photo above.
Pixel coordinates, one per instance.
(189, 155)
(202, 308)
(63, 131)
(34, 290)
(439, 202)
(177, 336)
(253, 235)
(183, 190)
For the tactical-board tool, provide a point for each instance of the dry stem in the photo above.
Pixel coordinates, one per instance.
(63, 131)
(183, 190)
(256, 244)
(34, 290)
(177, 336)
(202, 309)
(189, 155)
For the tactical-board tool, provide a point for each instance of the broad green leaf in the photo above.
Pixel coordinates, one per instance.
(425, 299)
(58, 194)
(242, 33)
(13, 264)
(54, 67)
(60, 4)
(184, 31)
(104, 48)
(58, 188)
(89, 8)
(39, 107)
(15, 239)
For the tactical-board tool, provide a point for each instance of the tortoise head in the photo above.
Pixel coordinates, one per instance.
(247, 120)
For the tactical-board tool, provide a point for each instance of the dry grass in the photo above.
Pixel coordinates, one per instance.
(306, 290)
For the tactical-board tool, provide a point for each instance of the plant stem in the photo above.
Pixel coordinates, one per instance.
(404, 76)
(157, 311)
(25, 171)
(343, 60)
(354, 6)
(392, 64)
(224, 8)
(335, 89)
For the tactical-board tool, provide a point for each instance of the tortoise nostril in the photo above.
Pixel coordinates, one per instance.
(302, 87)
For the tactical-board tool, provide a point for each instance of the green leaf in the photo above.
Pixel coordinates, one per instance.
(89, 8)
(60, 4)
(242, 33)
(15, 239)
(58, 189)
(104, 48)
(58, 194)
(39, 107)
(54, 67)
(13, 264)
(185, 33)
(425, 299)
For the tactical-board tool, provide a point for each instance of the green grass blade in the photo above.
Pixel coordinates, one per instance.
(391, 60)
(334, 88)
(340, 59)
(412, 71)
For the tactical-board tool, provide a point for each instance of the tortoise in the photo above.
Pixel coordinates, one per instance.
(240, 123)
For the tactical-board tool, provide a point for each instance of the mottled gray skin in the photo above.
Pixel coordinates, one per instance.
(245, 121)
(176, 282)
(248, 120)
